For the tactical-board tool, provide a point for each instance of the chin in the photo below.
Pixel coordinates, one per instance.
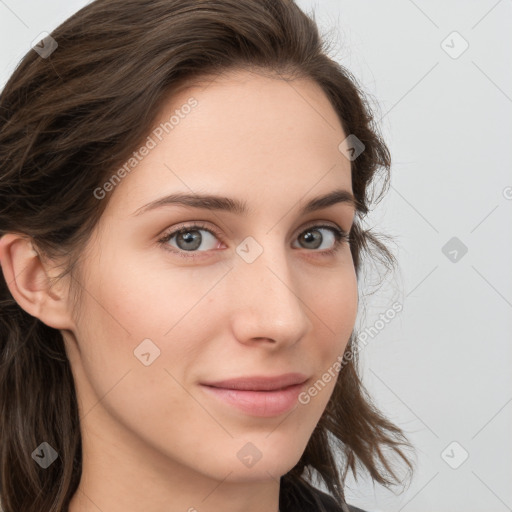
(264, 458)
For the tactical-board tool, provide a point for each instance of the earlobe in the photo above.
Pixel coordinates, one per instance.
(30, 284)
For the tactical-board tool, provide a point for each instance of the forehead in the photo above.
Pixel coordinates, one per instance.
(242, 133)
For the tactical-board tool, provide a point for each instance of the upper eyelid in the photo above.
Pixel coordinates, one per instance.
(203, 225)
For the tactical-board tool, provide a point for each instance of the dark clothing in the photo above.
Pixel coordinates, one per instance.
(302, 497)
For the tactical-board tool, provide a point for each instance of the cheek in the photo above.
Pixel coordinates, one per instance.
(336, 311)
(123, 326)
(134, 314)
(147, 300)
(334, 306)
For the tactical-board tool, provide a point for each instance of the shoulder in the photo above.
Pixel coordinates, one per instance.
(299, 496)
(331, 505)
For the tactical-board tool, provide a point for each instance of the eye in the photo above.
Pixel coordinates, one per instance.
(313, 238)
(189, 239)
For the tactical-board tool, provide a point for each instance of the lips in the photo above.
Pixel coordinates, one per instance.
(258, 396)
(259, 383)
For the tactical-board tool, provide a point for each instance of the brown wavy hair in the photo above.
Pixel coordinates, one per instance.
(66, 122)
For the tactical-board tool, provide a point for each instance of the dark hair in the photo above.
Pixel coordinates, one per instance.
(67, 121)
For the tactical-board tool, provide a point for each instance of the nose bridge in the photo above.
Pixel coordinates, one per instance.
(267, 297)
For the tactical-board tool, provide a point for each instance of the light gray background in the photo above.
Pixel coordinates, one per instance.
(441, 368)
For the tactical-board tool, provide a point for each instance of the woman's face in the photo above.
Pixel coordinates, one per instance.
(253, 293)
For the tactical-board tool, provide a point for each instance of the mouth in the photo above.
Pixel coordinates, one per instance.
(260, 383)
(259, 396)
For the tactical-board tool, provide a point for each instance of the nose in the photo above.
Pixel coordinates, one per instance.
(266, 304)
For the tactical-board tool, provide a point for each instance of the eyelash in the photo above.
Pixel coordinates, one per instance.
(340, 237)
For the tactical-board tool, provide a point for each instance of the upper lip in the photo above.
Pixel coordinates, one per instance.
(260, 383)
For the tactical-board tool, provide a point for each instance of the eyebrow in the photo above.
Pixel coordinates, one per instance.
(227, 204)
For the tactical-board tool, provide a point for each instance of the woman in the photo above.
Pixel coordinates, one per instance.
(182, 189)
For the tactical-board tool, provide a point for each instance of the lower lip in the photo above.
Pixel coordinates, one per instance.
(259, 403)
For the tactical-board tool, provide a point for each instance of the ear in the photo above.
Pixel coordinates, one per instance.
(29, 281)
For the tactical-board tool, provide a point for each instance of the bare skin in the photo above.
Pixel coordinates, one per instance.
(153, 438)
